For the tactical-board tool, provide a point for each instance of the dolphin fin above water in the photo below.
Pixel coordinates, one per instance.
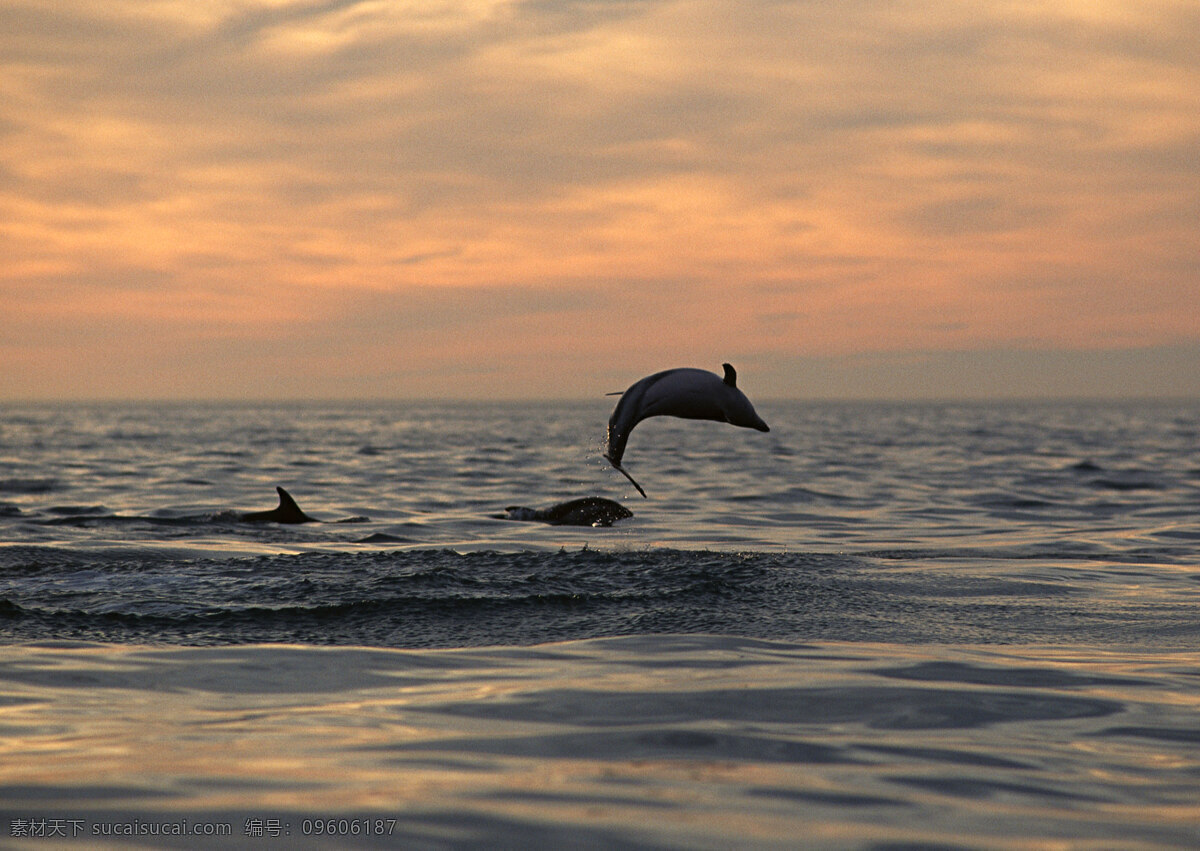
(693, 394)
(287, 512)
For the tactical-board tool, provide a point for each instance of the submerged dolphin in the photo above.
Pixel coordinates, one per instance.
(588, 511)
(693, 394)
(287, 512)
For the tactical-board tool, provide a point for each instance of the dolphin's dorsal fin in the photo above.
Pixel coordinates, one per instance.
(288, 511)
(286, 503)
(730, 375)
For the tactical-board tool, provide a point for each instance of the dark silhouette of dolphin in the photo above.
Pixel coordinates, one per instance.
(693, 394)
(587, 511)
(287, 512)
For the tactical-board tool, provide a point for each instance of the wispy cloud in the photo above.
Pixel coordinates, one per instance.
(599, 184)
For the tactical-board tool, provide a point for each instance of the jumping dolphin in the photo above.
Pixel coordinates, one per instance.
(693, 394)
(588, 511)
(287, 512)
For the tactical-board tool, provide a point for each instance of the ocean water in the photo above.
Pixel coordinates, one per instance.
(877, 626)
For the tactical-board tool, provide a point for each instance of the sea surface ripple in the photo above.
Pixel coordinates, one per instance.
(877, 626)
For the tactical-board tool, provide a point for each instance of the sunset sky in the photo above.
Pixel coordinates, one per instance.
(551, 198)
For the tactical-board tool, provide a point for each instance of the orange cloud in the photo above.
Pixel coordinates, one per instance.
(233, 187)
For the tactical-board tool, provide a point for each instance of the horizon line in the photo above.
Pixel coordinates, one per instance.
(520, 400)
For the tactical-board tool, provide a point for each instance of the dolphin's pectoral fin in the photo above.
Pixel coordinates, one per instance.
(622, 471)
(730, 378)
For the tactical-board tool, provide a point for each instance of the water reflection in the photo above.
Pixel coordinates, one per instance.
(641, 741)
